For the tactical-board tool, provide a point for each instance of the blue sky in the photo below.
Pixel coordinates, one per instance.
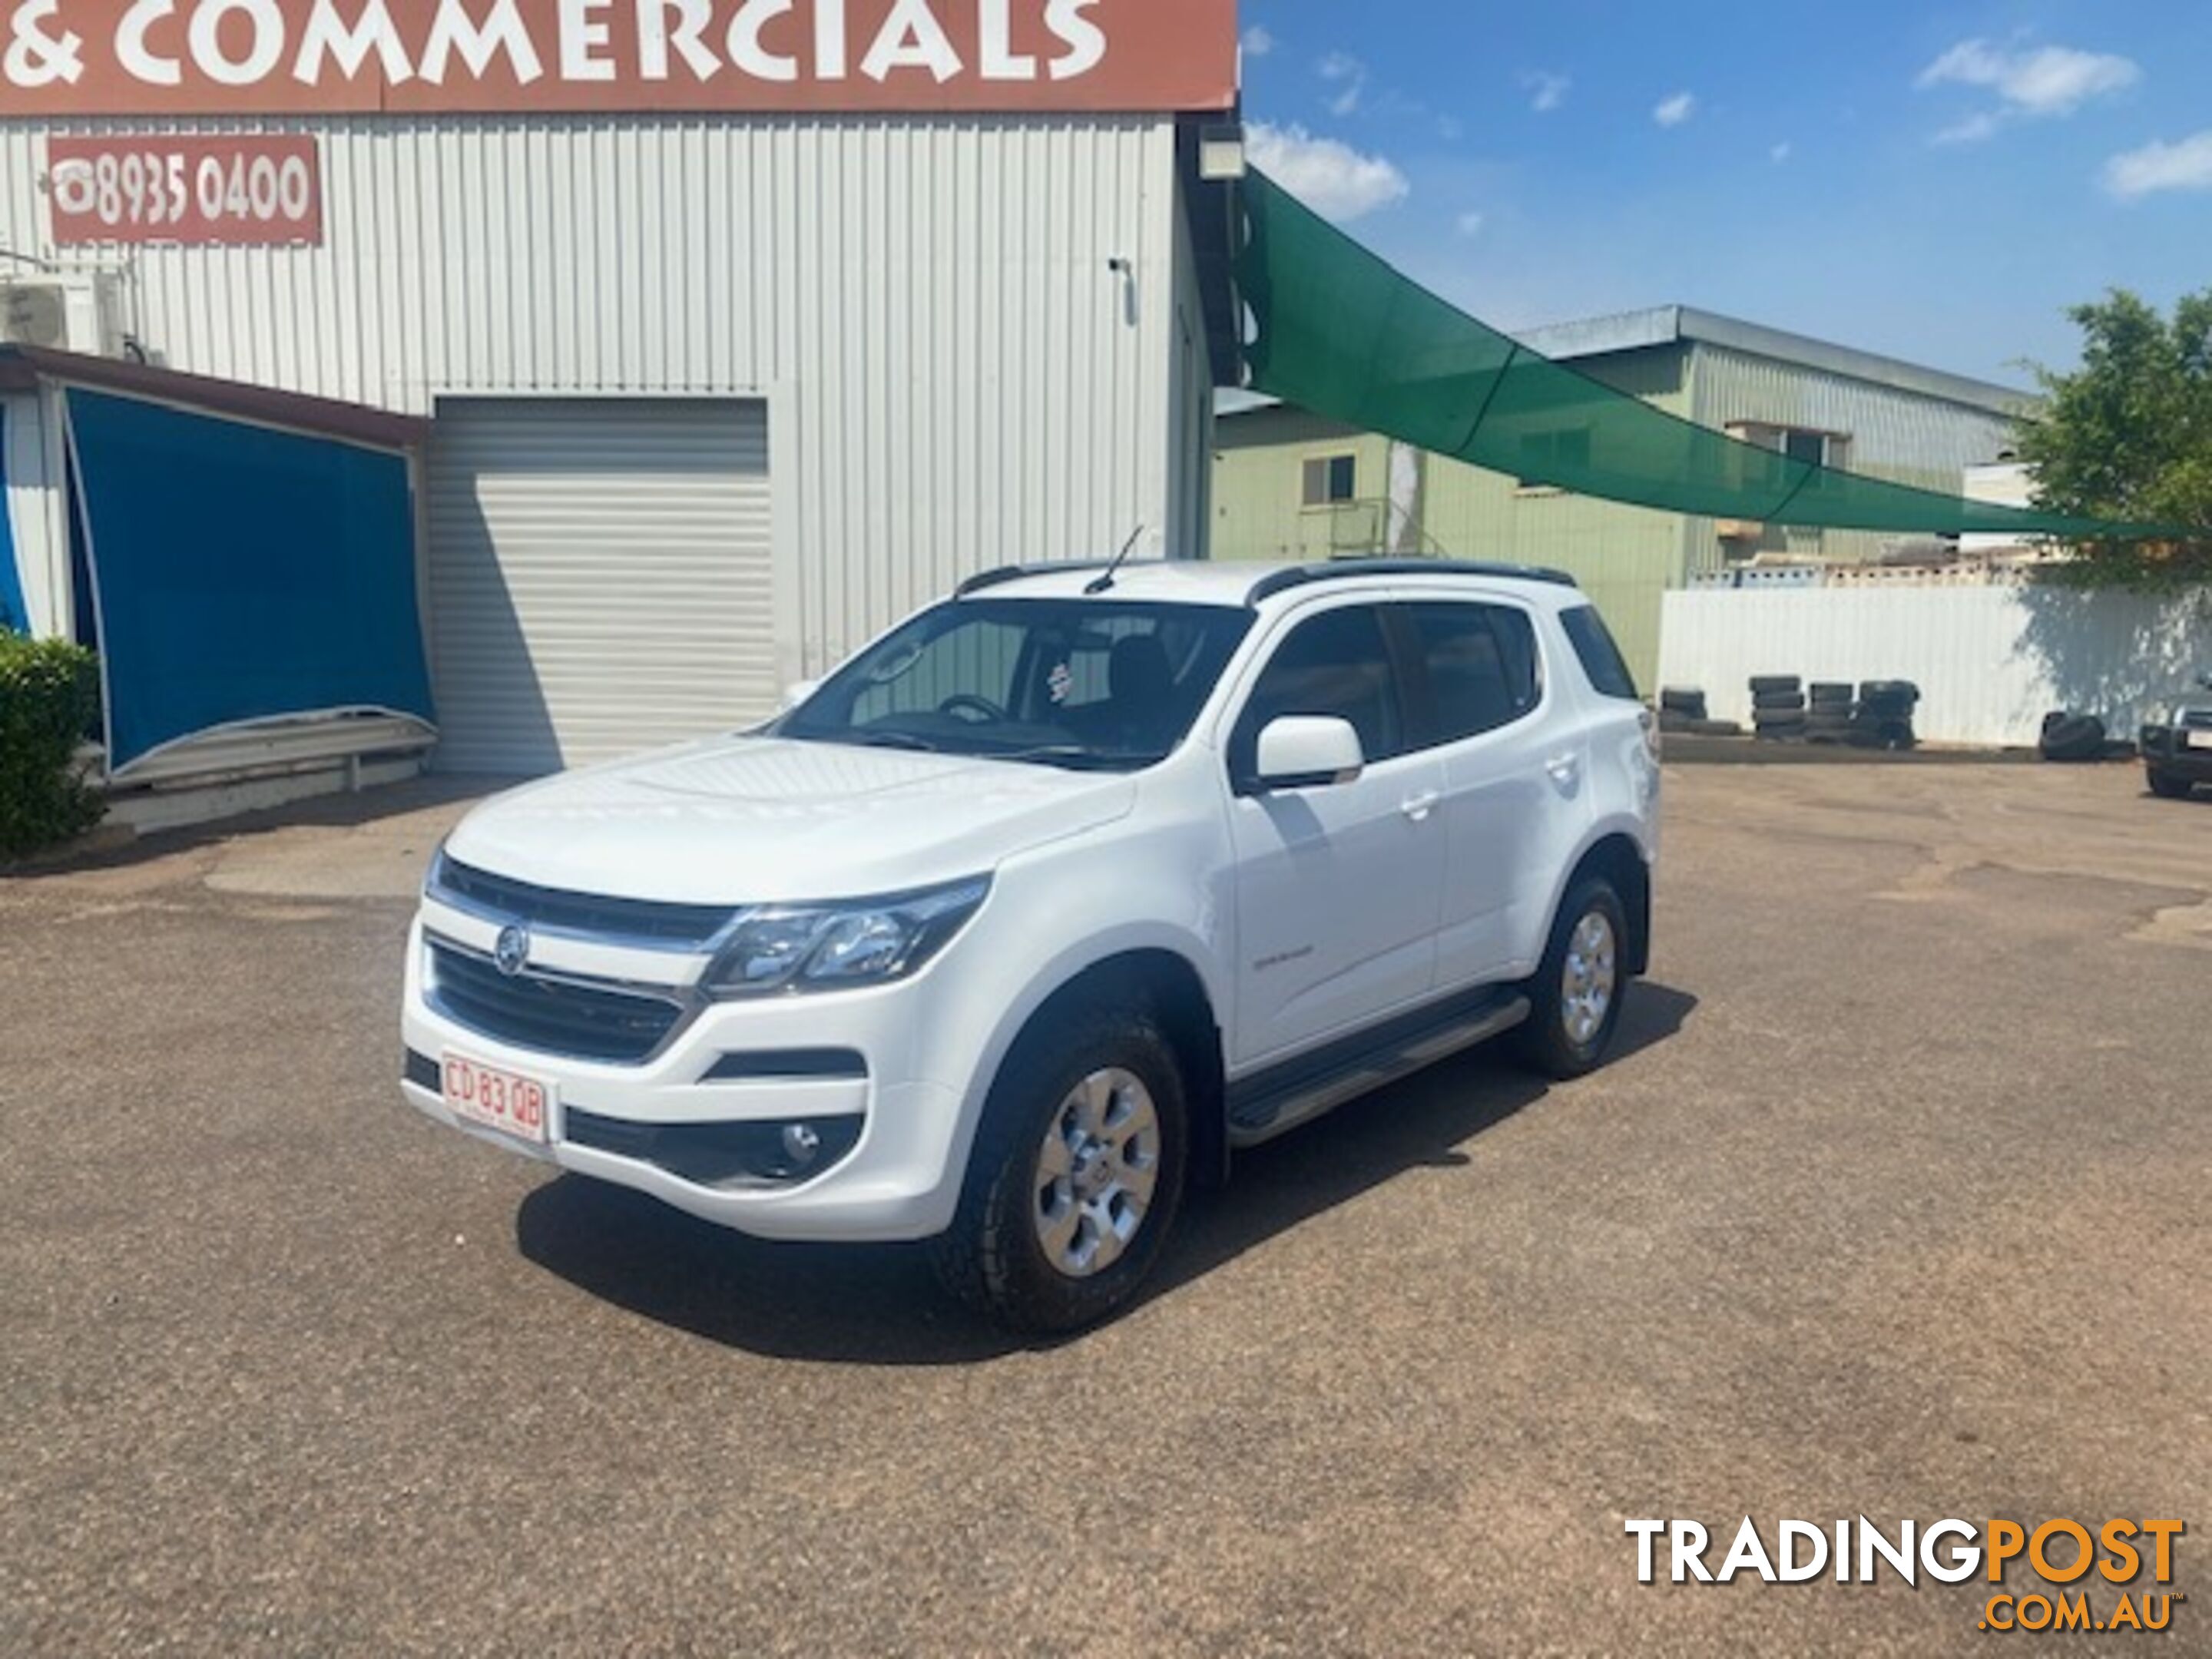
(1936, 181)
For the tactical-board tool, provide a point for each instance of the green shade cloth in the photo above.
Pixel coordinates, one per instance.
(1345, 335)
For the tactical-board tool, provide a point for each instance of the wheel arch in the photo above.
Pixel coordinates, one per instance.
(1618, 859)
(1171, 985)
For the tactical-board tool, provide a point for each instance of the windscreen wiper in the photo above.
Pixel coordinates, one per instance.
(905, 740)
(1076, 759)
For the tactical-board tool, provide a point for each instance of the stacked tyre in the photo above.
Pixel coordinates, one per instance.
(1681, 711)
(1778, 708)
(1834, 707)
(1885, 715)
(2072, 739)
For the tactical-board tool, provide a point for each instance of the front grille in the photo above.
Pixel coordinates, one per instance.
(690, 925)
(555, 1017)
(2197, 719)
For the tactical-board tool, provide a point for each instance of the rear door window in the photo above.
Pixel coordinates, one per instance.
(1481, 666)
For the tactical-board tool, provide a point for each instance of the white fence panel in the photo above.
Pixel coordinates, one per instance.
(1990, 662)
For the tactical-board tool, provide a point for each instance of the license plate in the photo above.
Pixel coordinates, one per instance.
(505, 1101)
(2200, 739)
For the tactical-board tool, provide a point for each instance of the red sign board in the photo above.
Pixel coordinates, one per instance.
(159, 57)
(157, 188)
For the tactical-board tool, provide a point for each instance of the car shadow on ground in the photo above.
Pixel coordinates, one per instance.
(879, 1304)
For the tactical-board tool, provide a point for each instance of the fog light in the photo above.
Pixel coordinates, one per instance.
(802, 1144)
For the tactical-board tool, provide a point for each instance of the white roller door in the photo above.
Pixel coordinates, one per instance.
(600, 577)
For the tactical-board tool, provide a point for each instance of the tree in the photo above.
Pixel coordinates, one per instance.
(2128, 436)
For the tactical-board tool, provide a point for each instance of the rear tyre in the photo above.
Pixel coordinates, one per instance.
(2168, 786)
(1576, 997)
(1076, 1176)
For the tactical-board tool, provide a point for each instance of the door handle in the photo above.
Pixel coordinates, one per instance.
(1564, 768)
(1417, 808)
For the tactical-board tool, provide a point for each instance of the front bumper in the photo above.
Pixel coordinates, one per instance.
(900, 1181)
(2167, 749)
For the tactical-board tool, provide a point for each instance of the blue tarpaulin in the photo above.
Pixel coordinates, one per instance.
(242, 573)
(15, 617)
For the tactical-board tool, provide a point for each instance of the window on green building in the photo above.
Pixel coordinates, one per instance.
(1332, 480)
(1811, 448)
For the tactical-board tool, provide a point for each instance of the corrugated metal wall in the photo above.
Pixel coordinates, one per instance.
(1901, 436)
(1990, 661)
(955, 377)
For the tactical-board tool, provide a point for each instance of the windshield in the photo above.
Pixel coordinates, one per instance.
(1087, 683)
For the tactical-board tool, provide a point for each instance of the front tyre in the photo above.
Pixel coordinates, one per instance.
(2170, 785)
(1076, 1176)
(1576, 998)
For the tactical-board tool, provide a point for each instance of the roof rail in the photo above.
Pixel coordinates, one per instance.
(1306, 575)
(1014, 573)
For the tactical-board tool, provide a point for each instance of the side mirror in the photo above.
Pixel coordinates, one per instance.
(798, 692)
(1309, 751)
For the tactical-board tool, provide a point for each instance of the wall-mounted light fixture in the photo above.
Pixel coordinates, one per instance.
(1221, 155)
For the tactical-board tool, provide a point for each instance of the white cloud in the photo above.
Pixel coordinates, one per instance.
(1332, 179)
(1258, 42)
(1470, 224)
(1349, 75)
(2157, 167)
(1676, 110)
(1782, 152)
(1974, 130)
(2030, 82)
(1547, 91)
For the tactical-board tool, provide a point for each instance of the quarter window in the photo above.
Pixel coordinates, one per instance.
(1338, 665)
(1482, 666)
(1602, 660)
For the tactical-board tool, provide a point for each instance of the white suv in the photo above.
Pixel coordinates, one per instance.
(1018, 927)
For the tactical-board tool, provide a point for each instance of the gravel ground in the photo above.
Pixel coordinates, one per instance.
(1895, 1205)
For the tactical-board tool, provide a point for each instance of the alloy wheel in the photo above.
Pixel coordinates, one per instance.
(1096, 1170)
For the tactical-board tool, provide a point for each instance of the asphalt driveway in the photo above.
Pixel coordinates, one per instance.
(1895, 1205)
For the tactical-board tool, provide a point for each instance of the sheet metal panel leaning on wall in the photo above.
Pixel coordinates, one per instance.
(242, 573)
(361, 57)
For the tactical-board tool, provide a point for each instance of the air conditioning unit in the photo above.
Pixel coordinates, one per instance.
(69, 310)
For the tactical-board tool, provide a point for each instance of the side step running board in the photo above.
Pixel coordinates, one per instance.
(1278, 1100)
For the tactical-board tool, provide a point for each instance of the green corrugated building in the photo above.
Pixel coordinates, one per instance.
(1288, 485)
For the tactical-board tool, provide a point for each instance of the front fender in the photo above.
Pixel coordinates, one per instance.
(1006, 980)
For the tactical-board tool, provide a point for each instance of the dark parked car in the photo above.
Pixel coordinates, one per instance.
(2177, 741)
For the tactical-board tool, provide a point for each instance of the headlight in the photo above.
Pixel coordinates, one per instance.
(839, 946)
